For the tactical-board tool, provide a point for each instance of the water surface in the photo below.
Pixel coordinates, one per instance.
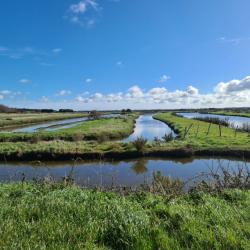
(234, 120)
(123, 173)
(149, 128)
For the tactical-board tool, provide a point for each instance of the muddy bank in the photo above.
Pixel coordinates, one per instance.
(174, 153)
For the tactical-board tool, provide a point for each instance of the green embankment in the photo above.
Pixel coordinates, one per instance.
(67, 217)
(105, 128)
(17, 119)
(200, 136)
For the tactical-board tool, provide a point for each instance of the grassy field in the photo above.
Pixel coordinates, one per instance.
(203, 135)
(17, 119)
(43, 216)
(100, 129)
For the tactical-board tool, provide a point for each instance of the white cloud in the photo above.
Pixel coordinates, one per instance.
(24, 81)
(84, 12)
(164, 78)
(192, 90)
(1, 97)
(135, 92)
(88, 80)
(233, 86)
(57, 50)
(63, 93)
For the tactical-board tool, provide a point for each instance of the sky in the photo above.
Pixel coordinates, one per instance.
(114, 54)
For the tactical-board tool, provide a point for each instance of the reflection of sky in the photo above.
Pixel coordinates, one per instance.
(236, 120)
(149, 128)
(124, 173)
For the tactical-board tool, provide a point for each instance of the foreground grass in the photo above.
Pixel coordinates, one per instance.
(19, 119)
(200, 136)
(36, 216)
(101, 129)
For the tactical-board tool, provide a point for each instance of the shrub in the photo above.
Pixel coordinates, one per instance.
(168, 137)
(140, 143)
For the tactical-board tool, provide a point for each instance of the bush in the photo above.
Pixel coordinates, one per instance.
(168, 137)
(140, 143)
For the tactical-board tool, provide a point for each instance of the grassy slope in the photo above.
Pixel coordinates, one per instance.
(11, 120)
(110, 128)
(202, 140)
(56, 217)
(231, 113)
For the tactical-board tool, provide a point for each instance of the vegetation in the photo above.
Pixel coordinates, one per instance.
(17, 119)
(219, 121)
(109, 128)
(63, 216)
(140, 144)
(202, 135)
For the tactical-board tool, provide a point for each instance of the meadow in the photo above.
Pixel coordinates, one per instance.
(64, 216)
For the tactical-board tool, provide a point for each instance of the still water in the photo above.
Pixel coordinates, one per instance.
(149, 128)
(234, 120)
(123, 173)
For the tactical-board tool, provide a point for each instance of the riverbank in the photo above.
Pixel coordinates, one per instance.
(92, 150)
(104, 220)
(14, 120)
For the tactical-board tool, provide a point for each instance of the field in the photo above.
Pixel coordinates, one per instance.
(202, 135)
(17, 119)
(66, 217)
(100, 129)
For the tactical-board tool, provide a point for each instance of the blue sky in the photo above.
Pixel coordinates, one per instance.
(103, 54)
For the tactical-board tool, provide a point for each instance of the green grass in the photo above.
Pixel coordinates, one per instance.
(66, 217)
(17, 119)
(101, 129)
(201, 140)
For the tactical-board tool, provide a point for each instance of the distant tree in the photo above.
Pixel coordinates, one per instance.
(93, 115)
(66, 110)
(47, 110)
(126, 111)
(5, 109)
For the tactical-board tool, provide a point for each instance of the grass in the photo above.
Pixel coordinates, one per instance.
(44, 216)
(17, 119)
(101, 129)
(202, 135)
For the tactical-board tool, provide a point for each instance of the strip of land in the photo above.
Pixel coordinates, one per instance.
(100, 129)
(17, 119)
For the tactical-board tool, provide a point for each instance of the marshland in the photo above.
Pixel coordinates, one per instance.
(123, 180)
(124, 125)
